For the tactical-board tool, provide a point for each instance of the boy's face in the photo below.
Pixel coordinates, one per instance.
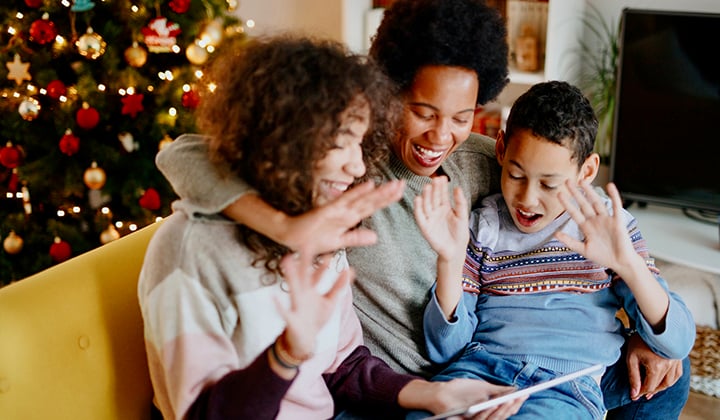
(534, 170)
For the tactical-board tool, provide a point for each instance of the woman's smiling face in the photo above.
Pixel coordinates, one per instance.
(438, 117)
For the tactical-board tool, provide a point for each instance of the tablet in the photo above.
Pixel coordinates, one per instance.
(476, 408)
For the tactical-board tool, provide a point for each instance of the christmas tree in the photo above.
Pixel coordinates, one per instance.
(89, 92)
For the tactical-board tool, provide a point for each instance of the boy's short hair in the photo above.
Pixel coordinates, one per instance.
(558, 112)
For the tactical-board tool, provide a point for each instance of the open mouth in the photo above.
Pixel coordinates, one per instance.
(527, 218)
(427, 157)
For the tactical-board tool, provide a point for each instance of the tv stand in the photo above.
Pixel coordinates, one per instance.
(674, 237)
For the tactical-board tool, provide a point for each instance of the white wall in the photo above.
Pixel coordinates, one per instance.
(342, 20)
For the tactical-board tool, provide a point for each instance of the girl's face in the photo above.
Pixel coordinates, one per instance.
(438, 117)
(343, 164)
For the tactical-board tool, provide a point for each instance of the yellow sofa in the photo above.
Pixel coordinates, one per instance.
(71, 338)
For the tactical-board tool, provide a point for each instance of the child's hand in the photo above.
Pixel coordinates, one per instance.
(607, 242)
(333, 226)
(309, 310)
(444, 227)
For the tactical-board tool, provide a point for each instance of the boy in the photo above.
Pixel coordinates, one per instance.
(543, 276)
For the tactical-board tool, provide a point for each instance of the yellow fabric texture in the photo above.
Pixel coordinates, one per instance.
(71, 338)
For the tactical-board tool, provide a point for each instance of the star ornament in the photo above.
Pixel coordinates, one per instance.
(132, 104)
(18, 70)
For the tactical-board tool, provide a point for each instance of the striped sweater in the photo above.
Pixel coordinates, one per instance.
(530, 298)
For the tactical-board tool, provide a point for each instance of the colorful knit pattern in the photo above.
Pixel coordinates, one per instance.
(553, 267)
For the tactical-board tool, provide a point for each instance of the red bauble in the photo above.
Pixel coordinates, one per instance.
(69, 143)
(60, 250)
(180, 6)
(33, 3)
(150, 199)
(87, 117)
(56, 89)
(190, 99)
(10, 156)
(43, 31)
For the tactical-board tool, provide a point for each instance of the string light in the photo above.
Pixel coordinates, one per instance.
(172, 111)
(61, 213)
(101, 87)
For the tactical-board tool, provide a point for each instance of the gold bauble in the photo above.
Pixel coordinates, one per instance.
(213, 32)
(136, 55)
(109, 234)
(165, 141)
(91, 45)
(13, 244)
(94, 177)
(196, 54)
(29, 109)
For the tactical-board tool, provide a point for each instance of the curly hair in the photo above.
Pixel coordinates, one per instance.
(459, 33)
(559, 112)
(276, 111)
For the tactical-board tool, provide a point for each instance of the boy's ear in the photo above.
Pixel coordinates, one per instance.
(500, 146)
(590, 168)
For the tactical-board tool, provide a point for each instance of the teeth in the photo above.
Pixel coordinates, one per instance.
(338, 186)
(428, 152)
(526, 214)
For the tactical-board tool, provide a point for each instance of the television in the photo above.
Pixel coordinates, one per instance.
(666, 137)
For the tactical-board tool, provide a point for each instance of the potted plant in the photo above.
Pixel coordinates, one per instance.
(599, 54)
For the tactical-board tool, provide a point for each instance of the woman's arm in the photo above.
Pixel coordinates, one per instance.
(186, 165)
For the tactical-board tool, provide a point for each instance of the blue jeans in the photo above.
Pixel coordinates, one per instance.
(573, 400)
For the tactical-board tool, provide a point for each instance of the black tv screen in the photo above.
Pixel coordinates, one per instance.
(666, 140)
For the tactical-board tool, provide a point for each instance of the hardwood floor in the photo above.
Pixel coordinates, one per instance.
(701, 407)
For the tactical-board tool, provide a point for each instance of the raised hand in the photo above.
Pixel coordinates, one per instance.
(333, 226)
(444, 227)
(309, 309)
(606, 242)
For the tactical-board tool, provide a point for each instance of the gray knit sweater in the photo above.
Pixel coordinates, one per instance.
(395, 275)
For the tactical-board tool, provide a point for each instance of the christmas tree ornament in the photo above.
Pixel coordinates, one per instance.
(132, 104)
(17, 70)
(165, 141)
(69, 143)
(196, 54)
(43, 30)
(14, 181)
(94, 176)
(179, 6)
(91, 45)
(29, 108)
(82, 5)
(87, 117)
(128, 142)
(160, 35)
(13, 244)
(10, 155)
(136, 55)
(109, 234)
(60, 250)
(33, 3)
(150, 199)
(213, 32)
(55, 89)
(27, 206)
(190, 99)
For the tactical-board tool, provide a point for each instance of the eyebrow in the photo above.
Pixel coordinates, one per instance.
(541, 175)
(425, 105)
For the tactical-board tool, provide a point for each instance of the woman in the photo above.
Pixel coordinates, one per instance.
(446, 57)
(236, 326)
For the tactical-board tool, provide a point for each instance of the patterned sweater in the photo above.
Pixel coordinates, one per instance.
(210, 316)
(530, 298)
